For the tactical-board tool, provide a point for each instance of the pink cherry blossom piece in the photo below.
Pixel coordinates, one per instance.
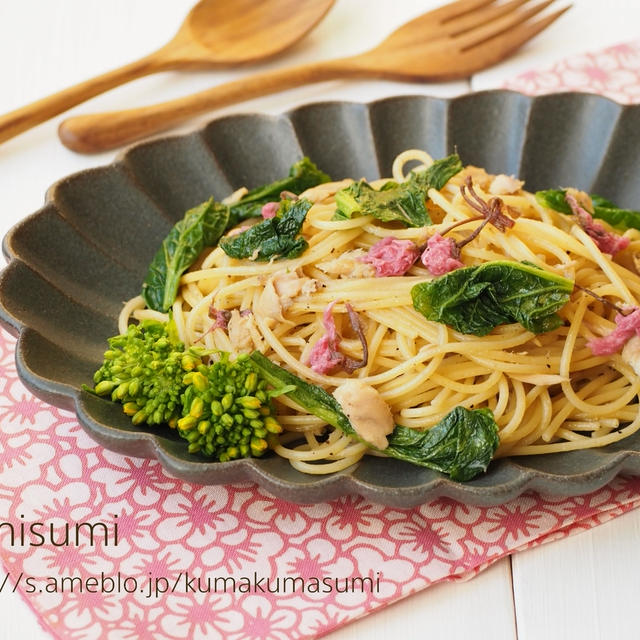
(325, 357)
(606, 241)
(627, 326)
(269, 210)
(441, 255)
(391, 256)
(220, 318)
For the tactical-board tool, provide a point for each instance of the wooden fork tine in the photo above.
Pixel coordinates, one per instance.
(485, 14)
(507, 43)
(499, 27)
(434, 23)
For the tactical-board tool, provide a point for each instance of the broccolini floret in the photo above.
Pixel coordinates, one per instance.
(227, 410)
(222, 409)
(143, 369)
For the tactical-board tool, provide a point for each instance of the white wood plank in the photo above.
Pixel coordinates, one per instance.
(479, 608)
(18, 621)
(585, 587)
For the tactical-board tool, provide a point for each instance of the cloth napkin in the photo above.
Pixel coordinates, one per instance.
(613, 72)
(300, 571)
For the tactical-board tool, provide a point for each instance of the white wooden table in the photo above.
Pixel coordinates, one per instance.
(584, 587)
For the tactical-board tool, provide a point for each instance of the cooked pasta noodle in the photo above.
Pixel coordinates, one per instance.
(548, 392)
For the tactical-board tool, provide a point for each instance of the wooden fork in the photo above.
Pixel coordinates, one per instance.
(451, 42)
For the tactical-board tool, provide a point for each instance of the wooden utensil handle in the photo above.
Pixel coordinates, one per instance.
(15, 122)
(102, 131)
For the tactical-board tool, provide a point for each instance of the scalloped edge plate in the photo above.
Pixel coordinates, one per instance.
(72, 262)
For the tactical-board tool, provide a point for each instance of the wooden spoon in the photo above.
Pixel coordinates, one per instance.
(453, 41)
(215, 33)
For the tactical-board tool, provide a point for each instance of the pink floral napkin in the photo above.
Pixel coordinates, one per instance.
(613, 72)
(233, 562)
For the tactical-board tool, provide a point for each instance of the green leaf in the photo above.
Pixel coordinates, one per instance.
(171, 329)
(599, 201)
(204, 225)
(405, 202)
(619, 218)
(245, 210)
(475, 300)
(554, 199)
(200, 227)
(309, 396)
(602, 208)
(303, 175)
(462, 444)
(272, 238)
(274, 393)
(438, 174)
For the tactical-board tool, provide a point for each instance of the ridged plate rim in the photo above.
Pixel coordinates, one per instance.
(505, 480)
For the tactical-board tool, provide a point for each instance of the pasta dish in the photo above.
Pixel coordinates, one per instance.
(441, 287)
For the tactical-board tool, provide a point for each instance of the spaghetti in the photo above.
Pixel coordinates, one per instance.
(548, 392)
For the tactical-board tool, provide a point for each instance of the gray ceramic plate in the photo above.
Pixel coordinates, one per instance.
(74, 261)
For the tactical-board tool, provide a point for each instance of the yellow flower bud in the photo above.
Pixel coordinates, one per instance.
(271, 425)
(197, 408)
(130, 408)
(199, 381)
(186, 423)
